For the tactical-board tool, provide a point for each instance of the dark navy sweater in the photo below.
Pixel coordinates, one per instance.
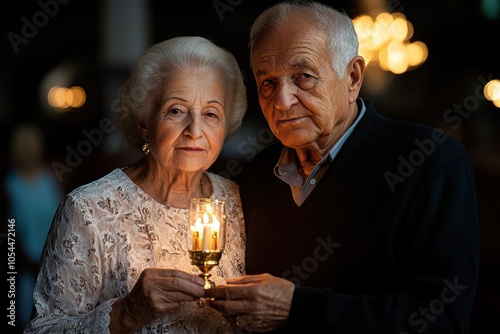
(387, 242)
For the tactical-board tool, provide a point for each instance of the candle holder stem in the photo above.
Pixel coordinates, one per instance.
(208, 283)
(205, 261)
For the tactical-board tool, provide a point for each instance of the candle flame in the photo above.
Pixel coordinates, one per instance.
(206, 219)
(215, 223)
(197, 225)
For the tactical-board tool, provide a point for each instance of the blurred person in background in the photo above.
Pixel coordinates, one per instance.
(116, 258)
(33, 194)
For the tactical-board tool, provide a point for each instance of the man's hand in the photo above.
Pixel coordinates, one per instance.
(258, 302)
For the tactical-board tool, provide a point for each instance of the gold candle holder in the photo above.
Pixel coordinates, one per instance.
(207, 225)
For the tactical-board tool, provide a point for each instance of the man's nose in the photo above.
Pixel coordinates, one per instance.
(285, 94)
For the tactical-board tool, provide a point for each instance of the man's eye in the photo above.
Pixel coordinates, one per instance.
(305, 81)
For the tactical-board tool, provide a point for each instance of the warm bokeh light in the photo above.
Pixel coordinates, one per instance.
(399, 29)
(417, 53)
(491, 92)
(386, 40)
(78, 97)
(63, 99)
(397, 59)
(489, 88)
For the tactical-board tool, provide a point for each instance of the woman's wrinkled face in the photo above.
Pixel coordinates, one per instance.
(188, 130)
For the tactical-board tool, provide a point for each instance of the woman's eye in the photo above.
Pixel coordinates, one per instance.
(266, 83)
(212, 115)
(173, 115)
(176, 113)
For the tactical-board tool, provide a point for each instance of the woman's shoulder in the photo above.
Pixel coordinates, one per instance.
(221, 180)
(99, 186)
(223, 187)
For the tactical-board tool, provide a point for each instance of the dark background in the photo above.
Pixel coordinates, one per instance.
(461, 41)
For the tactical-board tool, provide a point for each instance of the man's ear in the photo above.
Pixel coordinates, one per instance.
(356, 71)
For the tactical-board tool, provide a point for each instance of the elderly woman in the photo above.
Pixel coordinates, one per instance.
(116, 257)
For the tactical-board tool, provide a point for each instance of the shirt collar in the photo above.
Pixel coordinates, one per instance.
(288, 157)
(338, 145)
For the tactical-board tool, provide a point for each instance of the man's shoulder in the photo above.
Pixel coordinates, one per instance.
(385, 137)
(400, 131)
(268, 155)
(262, 163)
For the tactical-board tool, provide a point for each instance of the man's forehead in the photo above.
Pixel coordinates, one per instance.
(289, 59)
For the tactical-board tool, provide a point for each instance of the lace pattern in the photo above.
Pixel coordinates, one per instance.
(104, 234)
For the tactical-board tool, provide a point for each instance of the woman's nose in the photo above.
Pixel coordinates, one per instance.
(193, 126)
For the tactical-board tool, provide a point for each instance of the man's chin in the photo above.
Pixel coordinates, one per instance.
(295, 139)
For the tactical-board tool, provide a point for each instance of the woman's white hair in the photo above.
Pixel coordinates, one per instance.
(342, 39)
(140, 95)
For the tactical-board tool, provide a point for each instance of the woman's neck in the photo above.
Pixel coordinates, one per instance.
(170, 187)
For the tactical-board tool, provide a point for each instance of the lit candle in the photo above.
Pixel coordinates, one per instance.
(196, 230)
(207, 227)
(205, 245)
(215, 232)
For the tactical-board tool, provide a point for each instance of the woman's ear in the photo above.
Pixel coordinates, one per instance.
(356, 72)
(143, 130)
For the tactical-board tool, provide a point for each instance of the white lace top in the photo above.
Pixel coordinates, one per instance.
(104, 235)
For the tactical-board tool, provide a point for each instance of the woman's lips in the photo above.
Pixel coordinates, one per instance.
(190, 148)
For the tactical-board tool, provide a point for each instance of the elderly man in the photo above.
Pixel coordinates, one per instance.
(355, 223)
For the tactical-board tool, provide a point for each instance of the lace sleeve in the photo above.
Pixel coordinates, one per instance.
(67, 291)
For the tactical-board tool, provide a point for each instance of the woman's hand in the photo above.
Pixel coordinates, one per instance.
(156, 292)
(258, 302)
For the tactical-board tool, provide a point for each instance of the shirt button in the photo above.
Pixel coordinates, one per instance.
(312, 182)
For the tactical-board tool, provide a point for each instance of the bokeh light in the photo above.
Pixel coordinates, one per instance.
(491, 92)
(385, 40)
(63, 98)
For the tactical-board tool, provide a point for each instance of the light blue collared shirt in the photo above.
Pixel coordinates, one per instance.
(287, 168)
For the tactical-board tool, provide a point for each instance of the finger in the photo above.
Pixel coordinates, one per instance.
(229, 308)
(171, 279)
(163, 283)
(184, 288)
(247, 279)
(172, 296)
(225, 292)
(180, 274)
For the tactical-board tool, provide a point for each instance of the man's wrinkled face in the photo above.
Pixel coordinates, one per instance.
(300, 94)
